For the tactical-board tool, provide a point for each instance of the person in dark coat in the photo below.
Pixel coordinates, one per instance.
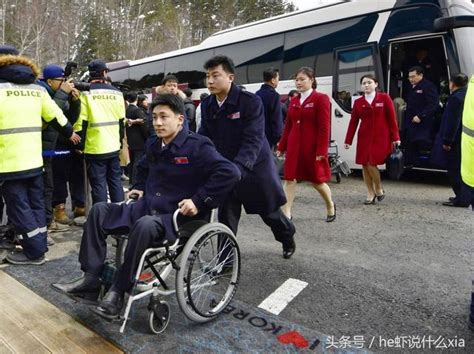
(286, 105)
(422, 105)
(180, 169)
(60, 91)
(136, 131)
(190, 109)
(306, 141)
(447, 151)
(233, 119)
(271, 106)
(378, 134)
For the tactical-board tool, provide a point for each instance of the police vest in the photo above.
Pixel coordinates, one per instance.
(467, 137)
(21, 110)
(102, 109)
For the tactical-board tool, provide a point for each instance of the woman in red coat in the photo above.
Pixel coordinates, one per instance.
(378, 133)
(305, 139)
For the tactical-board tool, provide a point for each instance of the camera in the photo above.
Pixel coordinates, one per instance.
(80, 85)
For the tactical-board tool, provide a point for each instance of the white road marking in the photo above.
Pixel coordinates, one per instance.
(282, 296)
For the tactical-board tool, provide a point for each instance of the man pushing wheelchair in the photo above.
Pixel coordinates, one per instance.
(180, 169)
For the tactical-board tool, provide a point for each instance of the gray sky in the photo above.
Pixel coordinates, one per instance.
(307, 4)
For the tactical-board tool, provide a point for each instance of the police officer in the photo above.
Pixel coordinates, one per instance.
(467, 162)
(22, 105)
(467, 140)
(180, 169)
(271, 106)
(422, 105)
(102, 116)
(234, 120)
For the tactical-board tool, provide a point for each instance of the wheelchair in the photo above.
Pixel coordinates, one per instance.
(206, 258)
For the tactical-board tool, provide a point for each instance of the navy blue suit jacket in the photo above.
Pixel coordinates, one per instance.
(238, 131)
(187, 168)
(273, 113)
(422, 101)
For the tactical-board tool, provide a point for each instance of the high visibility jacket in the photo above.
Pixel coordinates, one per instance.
(21, 110)
(467, 137)
(103, 108)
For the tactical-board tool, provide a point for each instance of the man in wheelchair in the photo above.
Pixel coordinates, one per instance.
(180, 169)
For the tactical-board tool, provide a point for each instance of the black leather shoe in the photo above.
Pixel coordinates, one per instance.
(110, 306)
(331, 218)
(87, 287)
(289, 249)
(454, 204)
(381, 196)
(369, 202)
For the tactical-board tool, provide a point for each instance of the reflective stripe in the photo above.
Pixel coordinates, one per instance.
(468, 131)
(103, 124)
(10, 85)
(35, 232)
(20, 130)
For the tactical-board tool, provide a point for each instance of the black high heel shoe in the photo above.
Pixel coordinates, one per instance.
(369, 202)
(381, 196)
(331, 218)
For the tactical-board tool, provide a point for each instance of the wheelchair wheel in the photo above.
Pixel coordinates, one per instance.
(159, 318)
(209, 272)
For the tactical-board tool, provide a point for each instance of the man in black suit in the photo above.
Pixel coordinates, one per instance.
(137, 132)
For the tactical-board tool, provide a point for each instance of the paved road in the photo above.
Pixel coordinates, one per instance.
(401, 267)
(398, 268)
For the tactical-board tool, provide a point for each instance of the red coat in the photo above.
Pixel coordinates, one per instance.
(306, 135)
(378, 129)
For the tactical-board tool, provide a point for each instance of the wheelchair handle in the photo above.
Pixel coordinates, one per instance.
(175, 220)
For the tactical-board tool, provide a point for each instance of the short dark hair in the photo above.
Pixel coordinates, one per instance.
(291, 93)
(169, 77)
(188, 92)
(131, 97)
(203, 96)
(226, 62)
(419, 70)
(459, 79)
(174, 102)
(369, 76)
(309, 73)
(269, 74)
(141, 98)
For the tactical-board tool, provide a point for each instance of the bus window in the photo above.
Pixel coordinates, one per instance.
(145, 76)
(268, 52)
(189, 68)
(351, 65)
(313, 46)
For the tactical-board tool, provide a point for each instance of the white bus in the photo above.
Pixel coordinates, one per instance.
(341, 42)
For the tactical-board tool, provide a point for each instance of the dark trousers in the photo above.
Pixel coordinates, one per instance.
(25, 209)
(230, 212)
(461, 190)
(413, 149)
(1, 204)
(68, 169)
(103, 173)
(135, 156)
(48, 188)
(147, 232)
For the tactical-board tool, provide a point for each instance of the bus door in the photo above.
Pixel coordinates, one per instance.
(430, 53)
(350, 64)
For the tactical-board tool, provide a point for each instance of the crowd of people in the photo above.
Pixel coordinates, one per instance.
(219, 154)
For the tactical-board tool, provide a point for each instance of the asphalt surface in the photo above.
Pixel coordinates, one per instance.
(397, 269)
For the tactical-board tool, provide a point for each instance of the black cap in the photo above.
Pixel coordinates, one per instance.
(8, 49)
(96, 67)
